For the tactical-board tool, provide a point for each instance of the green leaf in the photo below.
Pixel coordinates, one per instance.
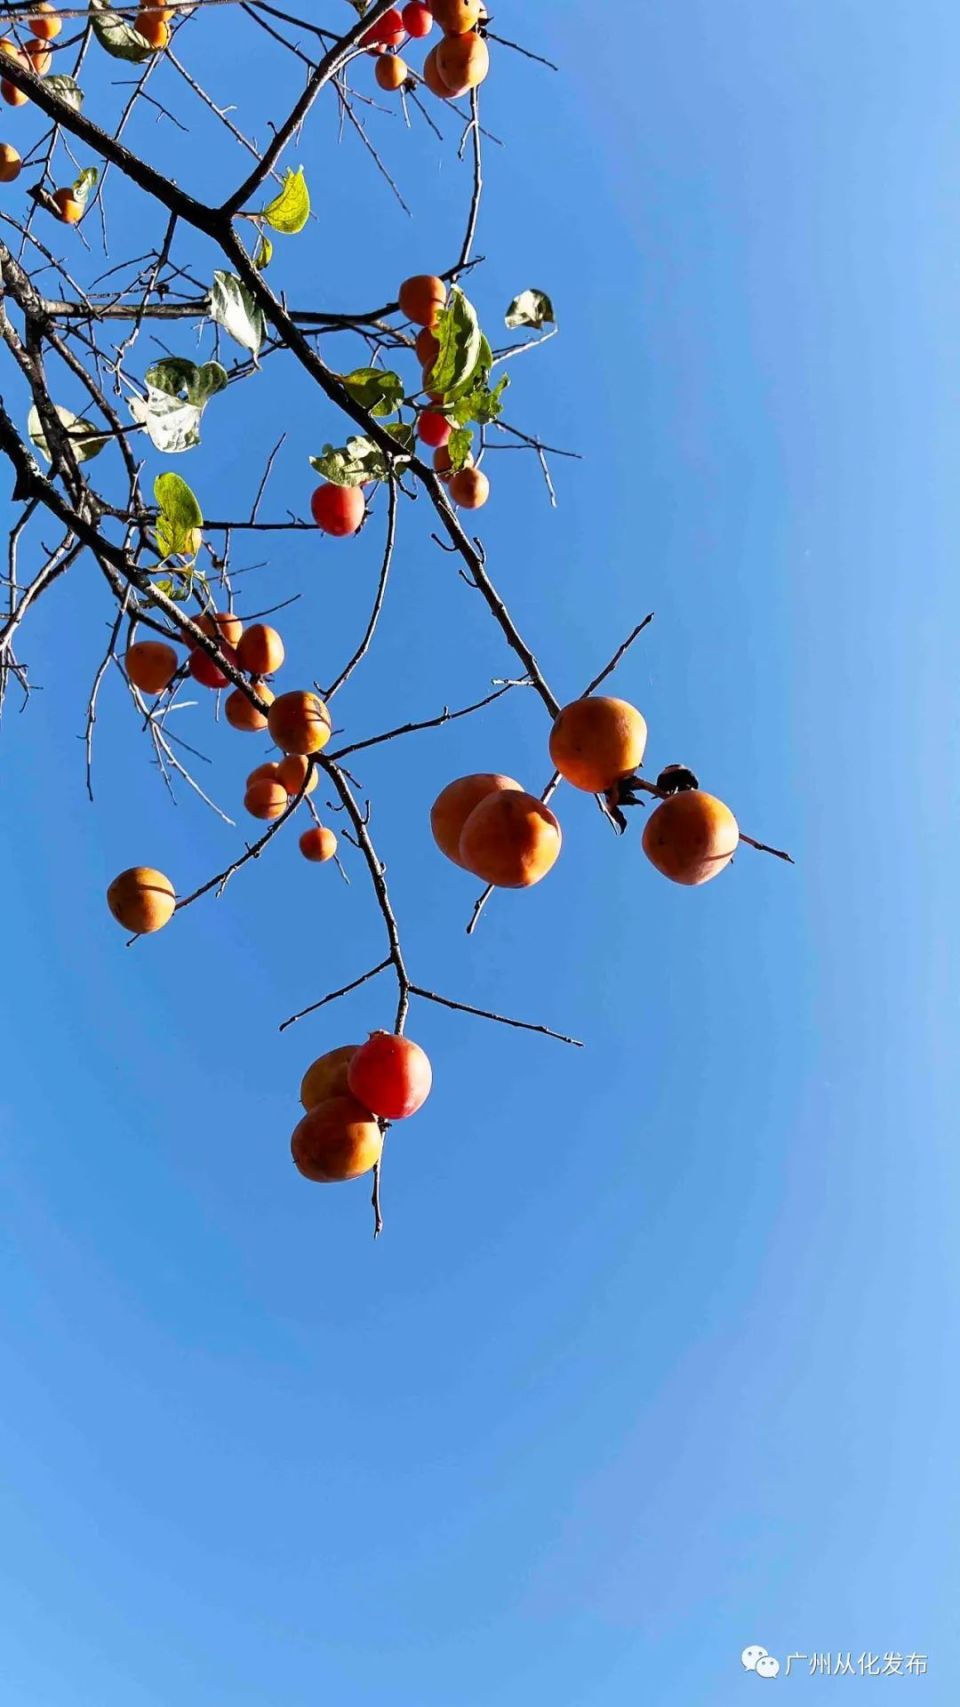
(289, 211)
(531, 308)
(86, 440)
(404, 434)
(232, 307)
(380, 393)
(479, 403)
(178, 590)
(67, 88)
(460, 339)
(117, 37)
(182, 378)
(358, 461)
(173, 426)
(85, 183)
(458, 444)
(177, 394)
(179, 515)
(264, 253)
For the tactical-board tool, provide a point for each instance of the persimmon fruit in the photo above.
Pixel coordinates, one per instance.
(388, 31)
(427, 347)
(443, 463)
(421, 299)
(338, 510)
(300, 723)
(48, 24)
(391, 72)
(153, 27)
(151, 665)
(469, 488)
(336, 1140)
(510, 839)
(40, 57)
(417, 19)
(265, 799)
(456, 17)
(260, 650)
(390, 1075)
(463, 62)
(11, 165)
(318, 844)
(221, 625)
(141, 899)
(432, 77)
(264, 773)
(15, 97)
(240, 714)
(204, 670)
(433, 428)
(454, 804)
(327, 1076)
(69, 209)
(291, 771)
(597, 741)
(690, 837)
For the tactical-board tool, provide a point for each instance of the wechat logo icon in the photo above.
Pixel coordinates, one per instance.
(757, 1659)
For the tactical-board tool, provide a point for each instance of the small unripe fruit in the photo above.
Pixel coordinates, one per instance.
(68, 208)
(153, 27)
(421, 298)
(11, 164)
(222, 626)
(338, 510)
(318, 844)
(49, 25)
(417, 19)
(388, 31)
(463, 62)
(204, 670)
(433, 428)
(151, 665)
(300, 723)
(141, 899)
(260, 650)
(266, 799)
(291, 771)
(469, 489)
(391, 72)
(240, 714)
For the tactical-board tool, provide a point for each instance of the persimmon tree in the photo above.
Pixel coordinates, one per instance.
(110, 491)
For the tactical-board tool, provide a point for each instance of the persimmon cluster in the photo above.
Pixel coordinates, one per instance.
(341, 510)
(490, 826)
(350, 1096)
(298, 722)
(457, 64)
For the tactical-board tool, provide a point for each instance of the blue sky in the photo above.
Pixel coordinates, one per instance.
(655, 1358)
